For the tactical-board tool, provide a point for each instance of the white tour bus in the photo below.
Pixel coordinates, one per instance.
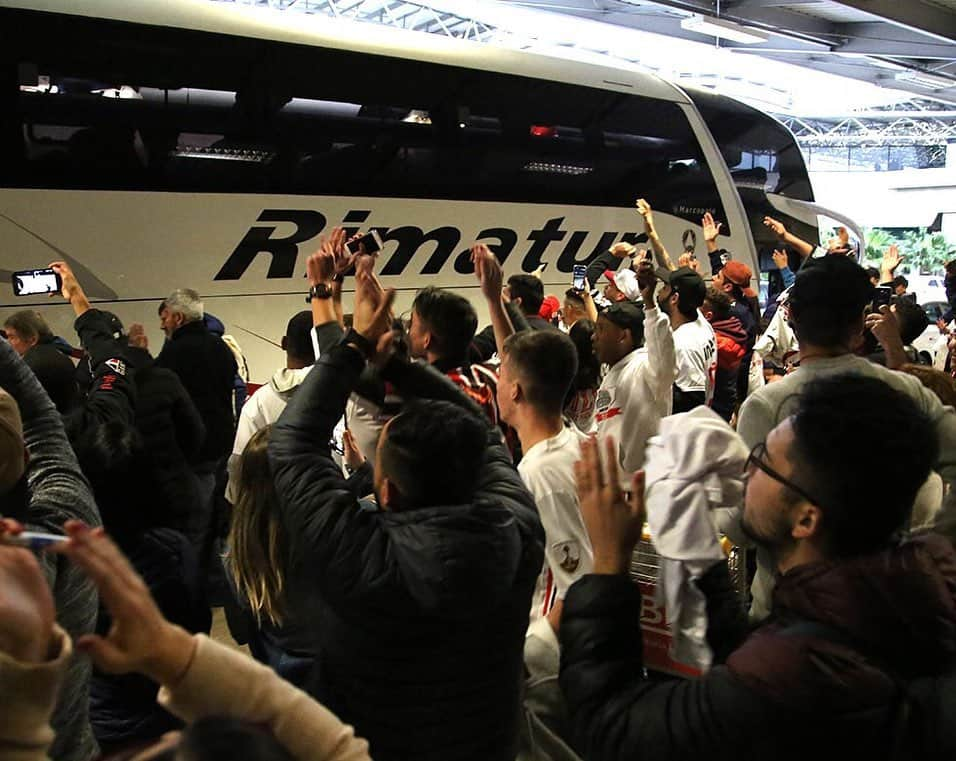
(196, 144)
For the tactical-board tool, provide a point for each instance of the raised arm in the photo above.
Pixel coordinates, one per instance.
(199, 677)
(333, 537)
(490, 278)
(112, 395)
(58, 490)
(783, 264)
(658, 337)
(663, 258)
(803, 247)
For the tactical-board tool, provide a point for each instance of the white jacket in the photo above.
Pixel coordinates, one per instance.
(638, 391)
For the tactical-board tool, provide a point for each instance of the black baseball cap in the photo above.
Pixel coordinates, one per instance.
(626, 314)
(687, 283)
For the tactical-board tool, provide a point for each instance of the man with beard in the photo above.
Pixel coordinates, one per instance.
(857, 659)
(680, 299)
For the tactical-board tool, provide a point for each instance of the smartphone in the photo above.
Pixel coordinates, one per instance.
(577, 277)
(371, 243)
(881, 297)
(31, 282)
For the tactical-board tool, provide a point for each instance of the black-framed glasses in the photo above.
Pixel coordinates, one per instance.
(756, 460)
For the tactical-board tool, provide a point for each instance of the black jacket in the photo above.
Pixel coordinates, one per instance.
(123, 707)
(173, 433)
(206, 367)
(56, 374)
(857, 661)
(112, 392)
(420, 615)
(484, 346)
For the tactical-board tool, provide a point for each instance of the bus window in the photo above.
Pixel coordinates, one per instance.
(180, 110)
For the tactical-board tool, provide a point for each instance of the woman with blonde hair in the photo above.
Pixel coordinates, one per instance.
(255, 563)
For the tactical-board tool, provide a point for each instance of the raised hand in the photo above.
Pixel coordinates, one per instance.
(136, 334)
(488, 271)
(780, 259)
(688, 260)
(647, 282)
(892, 258)
(320, 266)
(614, 524)
(775, 225)
(711, 229)
(140, 638)
(372, 316)
(623, 250)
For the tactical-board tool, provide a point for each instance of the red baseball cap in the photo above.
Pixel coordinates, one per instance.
(739, 274)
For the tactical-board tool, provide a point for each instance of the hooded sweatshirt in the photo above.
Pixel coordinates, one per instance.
(263, 408)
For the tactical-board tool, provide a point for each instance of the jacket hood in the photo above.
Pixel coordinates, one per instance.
(732, 327)
(898, 605)
(214, 324)
(285, 381)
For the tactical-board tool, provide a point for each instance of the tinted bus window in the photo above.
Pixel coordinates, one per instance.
(106, 105)
(759, 151)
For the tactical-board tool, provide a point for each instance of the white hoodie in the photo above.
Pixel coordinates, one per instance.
(638, 391)
(261, 409)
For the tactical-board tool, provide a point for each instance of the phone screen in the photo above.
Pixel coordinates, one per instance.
(882, 296)
(31, 282)
(577, 277)
(370, 242)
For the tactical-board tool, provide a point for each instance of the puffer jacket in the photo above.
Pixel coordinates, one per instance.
(420, 615)
(123, 707)
(858, 660)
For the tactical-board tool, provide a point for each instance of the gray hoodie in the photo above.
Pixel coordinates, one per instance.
(57, 491)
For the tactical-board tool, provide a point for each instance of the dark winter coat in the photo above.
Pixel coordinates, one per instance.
(857, 661)
(421, 614)
(206, 367)
(123, 707)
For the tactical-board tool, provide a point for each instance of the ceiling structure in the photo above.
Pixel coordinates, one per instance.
(793, 62)
(908, 45)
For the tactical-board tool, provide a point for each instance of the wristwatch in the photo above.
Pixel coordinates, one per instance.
(320, 291)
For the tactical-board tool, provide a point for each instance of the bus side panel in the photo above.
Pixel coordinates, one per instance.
(245, 254)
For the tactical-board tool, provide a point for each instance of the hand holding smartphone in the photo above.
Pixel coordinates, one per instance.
(32, 282)
(578, 282)
(369, 244)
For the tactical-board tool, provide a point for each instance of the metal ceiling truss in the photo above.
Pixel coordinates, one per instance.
(891, 128)
(881, 39)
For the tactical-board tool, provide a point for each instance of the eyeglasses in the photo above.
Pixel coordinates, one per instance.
(756, 460)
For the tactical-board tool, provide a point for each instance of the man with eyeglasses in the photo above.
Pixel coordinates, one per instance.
(858, 657)
(828, 305)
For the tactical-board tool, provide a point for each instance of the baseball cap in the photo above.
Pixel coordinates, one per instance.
(116, 324)
(626, 282)
(688, 284)
(739, 274)
(11, 442)
(549, 306)
(624, 314)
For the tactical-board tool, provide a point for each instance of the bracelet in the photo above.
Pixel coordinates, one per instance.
(363, 344)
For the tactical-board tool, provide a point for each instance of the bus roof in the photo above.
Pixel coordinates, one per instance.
(323, 31)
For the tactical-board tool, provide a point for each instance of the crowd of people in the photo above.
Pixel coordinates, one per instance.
(426, 534)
